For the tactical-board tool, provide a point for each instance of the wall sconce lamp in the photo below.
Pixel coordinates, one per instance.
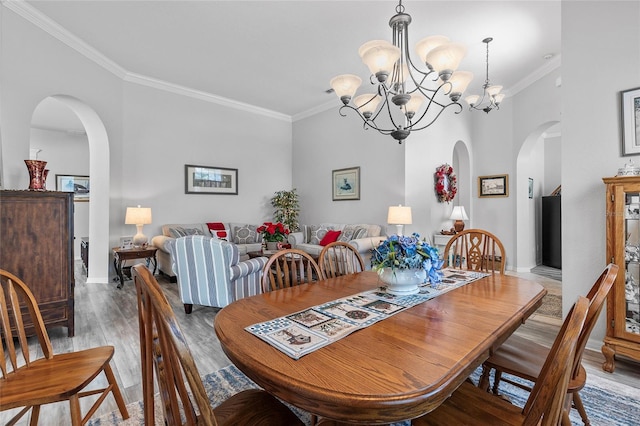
(138, 216)
(458, 215)
(399, 216)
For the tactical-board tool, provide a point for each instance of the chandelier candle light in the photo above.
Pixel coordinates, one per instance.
(407, 98)
(138, 216)
(491, 96)
(399, 216)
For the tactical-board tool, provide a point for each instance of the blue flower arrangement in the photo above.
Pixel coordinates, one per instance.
(407, 252)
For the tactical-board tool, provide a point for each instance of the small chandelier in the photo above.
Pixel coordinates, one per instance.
(491, 96)
(402, 90)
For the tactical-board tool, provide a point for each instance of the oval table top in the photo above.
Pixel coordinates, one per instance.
(396, 369)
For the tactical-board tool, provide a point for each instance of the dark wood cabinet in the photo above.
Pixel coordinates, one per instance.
(552, 231)
(36, 230)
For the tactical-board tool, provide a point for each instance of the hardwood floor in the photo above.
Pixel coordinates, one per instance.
(108, 316)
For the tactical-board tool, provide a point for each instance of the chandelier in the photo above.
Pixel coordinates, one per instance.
(491, 96)
(406, 98)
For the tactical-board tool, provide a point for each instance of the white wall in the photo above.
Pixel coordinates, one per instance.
(591, 134)
(152, 135)
(65, 154)
(326, 142)
(165, 131)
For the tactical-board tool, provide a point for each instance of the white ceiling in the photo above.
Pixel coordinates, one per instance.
(280, 55)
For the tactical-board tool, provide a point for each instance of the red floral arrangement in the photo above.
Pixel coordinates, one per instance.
(446, 183)
(273, 232)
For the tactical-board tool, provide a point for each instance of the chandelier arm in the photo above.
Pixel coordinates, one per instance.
(436, 117)
(367, 122)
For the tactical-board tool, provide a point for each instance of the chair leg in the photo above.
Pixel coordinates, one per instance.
(188, 308)
(35, 415)
(497, 376)
(577, 402)
(483, 383)
(76, 415)
(117, 395)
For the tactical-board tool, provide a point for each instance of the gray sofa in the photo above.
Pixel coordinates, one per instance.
(363, 237)
(242, 235)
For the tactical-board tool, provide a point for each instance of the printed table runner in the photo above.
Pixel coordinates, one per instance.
(302, 332)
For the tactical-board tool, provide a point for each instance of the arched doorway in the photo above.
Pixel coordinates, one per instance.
(99, 173)
(530, 164)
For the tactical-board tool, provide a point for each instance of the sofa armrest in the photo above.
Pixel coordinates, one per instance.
(295, 238)
(161, 242)
(366, 244)
(248, 267)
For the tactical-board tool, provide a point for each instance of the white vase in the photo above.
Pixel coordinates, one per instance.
(402, 282)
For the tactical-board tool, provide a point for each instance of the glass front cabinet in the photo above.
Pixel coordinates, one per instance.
(623, 249)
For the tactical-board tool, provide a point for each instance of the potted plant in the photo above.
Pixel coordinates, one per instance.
(404, 262)
(287, 209)
(273, 233)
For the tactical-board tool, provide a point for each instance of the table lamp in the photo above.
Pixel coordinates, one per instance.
(138, 216)
(399, 216)
(458, 214)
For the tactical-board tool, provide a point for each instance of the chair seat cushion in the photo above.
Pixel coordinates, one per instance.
(64, 375)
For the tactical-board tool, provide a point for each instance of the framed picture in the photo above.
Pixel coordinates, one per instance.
(530, 188)
(346, 184)
(79, 185)
(210, 180)
(126, 242)
(631, 122)
(493, 186)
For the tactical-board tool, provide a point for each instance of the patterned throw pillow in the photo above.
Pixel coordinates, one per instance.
(179, 231)
(246, 234)
(317, 233)
(218, 231)
(360, 232)
(347, 233)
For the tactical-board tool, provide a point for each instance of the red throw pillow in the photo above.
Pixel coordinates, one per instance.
(330, 237)
(217, 230)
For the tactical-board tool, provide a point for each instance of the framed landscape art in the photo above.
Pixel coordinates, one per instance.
(210, 180)
(345, 184)
(79, 185)
(493, 186)
(631, 122)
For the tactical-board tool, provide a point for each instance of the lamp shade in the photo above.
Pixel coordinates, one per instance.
(399, 215)
(459, 213)
(138, 216)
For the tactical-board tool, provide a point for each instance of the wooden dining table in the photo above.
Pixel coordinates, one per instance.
(396, 369)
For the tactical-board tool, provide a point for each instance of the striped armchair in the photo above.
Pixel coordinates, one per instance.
(209, 272)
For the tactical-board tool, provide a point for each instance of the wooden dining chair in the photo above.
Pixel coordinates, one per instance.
(30, 383)
(524, 358)
(475, 250)
(470, 405)
(163, 348)
(288, 268)
(339, 258)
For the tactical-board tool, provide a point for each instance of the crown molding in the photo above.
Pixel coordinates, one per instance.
(37, 18)
(536, 75)
(204, 96)
(315, 110)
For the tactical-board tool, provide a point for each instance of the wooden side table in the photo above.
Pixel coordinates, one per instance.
(120, 256)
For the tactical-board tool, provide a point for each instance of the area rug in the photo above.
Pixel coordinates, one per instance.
(551, 306)
(607, 403)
